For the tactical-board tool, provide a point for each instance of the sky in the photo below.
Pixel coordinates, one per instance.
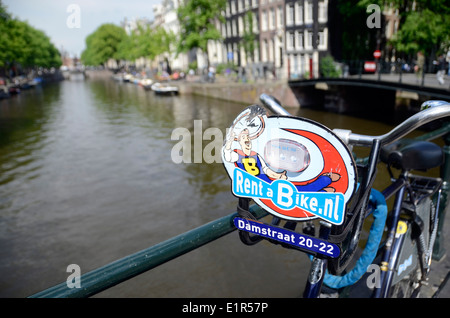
(68, 22)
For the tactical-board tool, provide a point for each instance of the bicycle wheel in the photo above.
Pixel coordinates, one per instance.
(414, 251)
(409, 287)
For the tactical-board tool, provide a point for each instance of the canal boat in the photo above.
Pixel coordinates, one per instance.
(146, 83)
(13, 89)
(162, 89)
(127, 78)
(4, 93)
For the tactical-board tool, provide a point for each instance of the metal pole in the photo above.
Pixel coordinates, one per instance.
(130, 266)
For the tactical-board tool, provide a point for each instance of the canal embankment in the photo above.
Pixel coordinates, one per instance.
(247, 93)
(226, 89)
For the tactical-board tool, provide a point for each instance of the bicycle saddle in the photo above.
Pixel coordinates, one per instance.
(408, 154)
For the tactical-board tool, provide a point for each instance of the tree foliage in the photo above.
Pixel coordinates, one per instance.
(197, 23)
(111, 42)
(145, 42)
(328, 67)
(22, 44)
(358, 41)
(103, 44)
(424, 26)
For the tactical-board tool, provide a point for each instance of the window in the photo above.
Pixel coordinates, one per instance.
(264, 51)
(323, 11)
(290, 36)
(271, 46)
(272, 19)
(308, 40)
(323, 39)
(289, 14)
(256, 54)
(298, 13)
(280, 17)
(241, 26)
(294, 64)
(264, 21)
(308, 12)
(299, 41)
(255, 23)
(302, 64)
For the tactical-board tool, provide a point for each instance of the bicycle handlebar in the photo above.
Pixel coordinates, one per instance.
(431, 111)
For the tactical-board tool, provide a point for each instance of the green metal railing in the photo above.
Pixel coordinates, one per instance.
(121, 270)
(130, 266)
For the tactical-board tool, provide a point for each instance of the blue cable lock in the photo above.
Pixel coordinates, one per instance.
(371, 248)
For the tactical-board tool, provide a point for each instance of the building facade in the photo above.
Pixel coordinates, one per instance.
(269, 38)
(290, 36)
(306, 36)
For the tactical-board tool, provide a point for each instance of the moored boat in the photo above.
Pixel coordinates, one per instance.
(162, 89)
(146, 83)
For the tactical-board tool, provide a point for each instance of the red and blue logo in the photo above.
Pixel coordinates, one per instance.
(294, 168)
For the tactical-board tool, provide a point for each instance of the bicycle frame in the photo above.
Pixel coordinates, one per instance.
(394, 242)
(398, 188)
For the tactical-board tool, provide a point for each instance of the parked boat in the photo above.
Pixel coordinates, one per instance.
(127, 78)
(162, 89)
(4, 93)
(146, 83)
(13, 90)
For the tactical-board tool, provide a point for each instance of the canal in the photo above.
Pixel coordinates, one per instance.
(86, 178)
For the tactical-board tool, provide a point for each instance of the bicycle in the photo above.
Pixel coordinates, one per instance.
(400, 240)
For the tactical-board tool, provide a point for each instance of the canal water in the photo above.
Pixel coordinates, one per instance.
(86, 178)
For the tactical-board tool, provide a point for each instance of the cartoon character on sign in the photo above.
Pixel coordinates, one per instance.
(306, 154)
(250, 161)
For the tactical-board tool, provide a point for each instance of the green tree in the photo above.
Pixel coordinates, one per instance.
(328, 67)
(197, 23)
(358, 40)
(424, 26)
(153, 42)
(145, 42)
(22, 44)
(128, 48)
(103, 44)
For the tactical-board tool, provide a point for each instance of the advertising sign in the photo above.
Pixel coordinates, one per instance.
(294, 168)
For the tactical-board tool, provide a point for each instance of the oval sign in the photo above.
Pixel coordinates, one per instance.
(294, 168)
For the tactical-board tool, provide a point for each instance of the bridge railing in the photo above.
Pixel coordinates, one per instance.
(399, 72)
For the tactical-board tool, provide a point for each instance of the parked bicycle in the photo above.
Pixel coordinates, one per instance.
(305, 174)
